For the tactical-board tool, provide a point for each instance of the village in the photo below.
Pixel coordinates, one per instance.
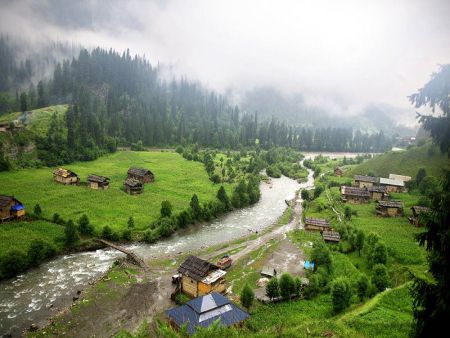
(204, 283)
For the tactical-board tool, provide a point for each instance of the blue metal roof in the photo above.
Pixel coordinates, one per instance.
(309, 265)
(17, 207)
(203, 311)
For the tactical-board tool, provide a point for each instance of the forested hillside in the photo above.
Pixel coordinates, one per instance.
(119, 99)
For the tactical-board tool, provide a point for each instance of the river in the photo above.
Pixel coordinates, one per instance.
(40, 293)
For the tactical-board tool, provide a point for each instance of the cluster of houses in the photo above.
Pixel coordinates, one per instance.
(134, 183)
(204, 282)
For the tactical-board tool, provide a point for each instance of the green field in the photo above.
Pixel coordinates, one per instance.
(176, 180)
(406, 162)
(18, 235)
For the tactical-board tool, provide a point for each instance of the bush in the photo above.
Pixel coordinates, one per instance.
(313, 288)
(362, 286)
(13, 263)
(379, 254)
(341, 293)
(317, 191)
(37, 210)
(179, 149)
(183, 218)
(84, 227)
(195, 207)
(348, 213)
(321, 256)
(38, 251)
(304, 195)
(223, 198)
(108, 234)
(126, 235)
(273, 288)
(247, 296)
(359, 241)
(287, 285)
(70, 233)
(298, 286)
(150, 237)
(380, 277)
(166, 209)
(181, 298)
(130, 222)
(273, 171)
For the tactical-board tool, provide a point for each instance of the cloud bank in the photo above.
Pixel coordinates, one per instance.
(341, 55)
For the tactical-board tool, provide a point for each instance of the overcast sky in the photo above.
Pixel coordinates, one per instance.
(340, 54)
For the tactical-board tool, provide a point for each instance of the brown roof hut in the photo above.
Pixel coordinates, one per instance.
(417, 211)
(389, 208)
(378, 193)
(331, 236)
(98, 182)
(316, 224)
(65, 176)
(133, 186)
(365, 181)
(10, 208)
(354, 195)
(338, 171)
(200, 277)
(141, 174)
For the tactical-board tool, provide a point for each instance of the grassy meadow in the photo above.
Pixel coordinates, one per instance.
(176, 180)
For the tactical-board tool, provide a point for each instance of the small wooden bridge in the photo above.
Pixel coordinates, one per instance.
(130, 254)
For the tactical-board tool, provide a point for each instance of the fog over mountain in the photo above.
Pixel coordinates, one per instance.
(312, 58)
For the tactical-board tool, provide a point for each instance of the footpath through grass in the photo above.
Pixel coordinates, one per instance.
(176, 181)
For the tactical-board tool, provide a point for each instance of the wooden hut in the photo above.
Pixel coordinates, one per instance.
(354, 195)
(378, 193)
(200, 277)
(389, 208)
(362, 181)
(392, 185)
(10, 208)
(316, 224)
(98, 182)
(338, 171)
(402, 178)
(141, 174)
(133, 186)
(331, 236)
(65, 176)
(417, 211)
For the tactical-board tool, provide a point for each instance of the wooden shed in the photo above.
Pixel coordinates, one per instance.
(141, 174)
(417, 211)
(338, 171)
(65, 176)
(389, 208)
(392, 185)
(133, 186)
(10, 208)
(200, 277)
(98, 182)
(378, 193)
(316, 224)
(362, 181)
(354, 195)
(331, 236)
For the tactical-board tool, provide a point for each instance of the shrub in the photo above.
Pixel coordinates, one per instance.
(273, 171)
(287, 285)
(359, 241)
(379, 254)
(166, 209)
(380, 277)
(55, 218)
(130, 222)
(317, 191)
(247, 296)
(126, 235)
(37, 210)
(183, 218)
(304, 195)
(108, 234)
(341, 293)
(165, 227)
(313, 288)
(179, 149)
(348, 213)
(84, 227)
(150, 237)
(195, 207)
(362, 286)
(215, 178)
(273, 288)
(321, 256)
(38, 251)
(298, 286)
(12, 263)
(70, 233)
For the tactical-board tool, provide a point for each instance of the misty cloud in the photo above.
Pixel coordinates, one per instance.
(340, 55)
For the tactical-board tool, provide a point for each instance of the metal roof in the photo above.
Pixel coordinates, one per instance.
(400, 177)
(213, 276)
(387, 181)
(203, 311)
(196, 268)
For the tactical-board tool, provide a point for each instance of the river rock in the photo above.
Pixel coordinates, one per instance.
(79, 292)
(34, 327)
(75, 298)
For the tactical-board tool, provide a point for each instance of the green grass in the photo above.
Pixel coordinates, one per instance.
(18, 235)
(405, 162)
(176, 180)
